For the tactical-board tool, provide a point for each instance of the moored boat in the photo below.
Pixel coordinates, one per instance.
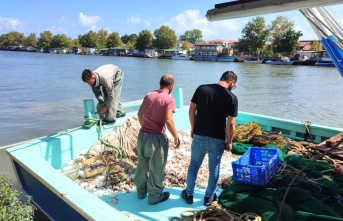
(279, 62)
(214, 58)
(180, 56)
(256, 61)
(37, 163)
(324, 64)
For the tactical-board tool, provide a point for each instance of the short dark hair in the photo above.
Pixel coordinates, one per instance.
(228, 76)
(86, 75)
(166, 80)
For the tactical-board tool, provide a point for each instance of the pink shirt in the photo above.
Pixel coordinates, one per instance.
(154, 107)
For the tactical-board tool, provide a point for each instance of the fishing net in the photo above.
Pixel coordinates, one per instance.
(251, 135)
(317, 191)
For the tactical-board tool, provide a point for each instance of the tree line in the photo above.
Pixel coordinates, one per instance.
(261, 40)
(161, 38)
(258, 39)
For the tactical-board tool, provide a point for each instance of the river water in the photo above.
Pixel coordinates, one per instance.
(43, 93)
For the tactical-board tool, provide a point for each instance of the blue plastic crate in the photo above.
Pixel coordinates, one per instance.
(256, 166)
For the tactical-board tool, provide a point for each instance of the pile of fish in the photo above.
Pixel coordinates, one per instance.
(118, 150)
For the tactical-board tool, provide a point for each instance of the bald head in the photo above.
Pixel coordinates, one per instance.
(166, 80)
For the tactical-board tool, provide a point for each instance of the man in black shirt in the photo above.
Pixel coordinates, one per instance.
(211, 104)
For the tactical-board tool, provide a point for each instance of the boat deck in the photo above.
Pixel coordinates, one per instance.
(129, 204)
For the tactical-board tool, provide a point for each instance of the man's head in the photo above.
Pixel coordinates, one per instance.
(167, 82)
(89, 77)
(229, 78)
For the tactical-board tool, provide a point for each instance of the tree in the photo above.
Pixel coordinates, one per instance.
(185, 45)
(89, 40)
(193, 36)
(144, 40)
(102, 38)
(279, 26)
(164, 38)
(13, 38)
(75, 42)
(129, 40)
(316, 46)
(286, 42)
(254, 36)
(131, 45)
(125, 38)
(45, 39)
(31, 40)
(114, 40)
(60, 41)
(284, 39)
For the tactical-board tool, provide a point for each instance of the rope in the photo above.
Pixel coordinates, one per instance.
(215, 213)
(90, 122)
(93, 121)
(307, 125)
(303, 169)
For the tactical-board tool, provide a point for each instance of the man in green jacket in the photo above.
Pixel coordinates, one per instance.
(106, 82)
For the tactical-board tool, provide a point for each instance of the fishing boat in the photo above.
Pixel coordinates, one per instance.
(214, 58)
(279, 62)
(180, 56)
(325, 61)
(324, 64)
(38, 162)
(253, 61)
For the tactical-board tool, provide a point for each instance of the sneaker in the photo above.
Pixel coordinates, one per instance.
(209, 200)
(164, 197)
(188, 199)
(121, 115)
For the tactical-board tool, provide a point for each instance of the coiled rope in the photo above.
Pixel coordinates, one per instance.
(215, 213)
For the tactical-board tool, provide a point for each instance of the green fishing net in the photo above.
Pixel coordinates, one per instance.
(315, 195)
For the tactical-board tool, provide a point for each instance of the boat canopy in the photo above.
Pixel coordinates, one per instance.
(324, 25)
(245, 8)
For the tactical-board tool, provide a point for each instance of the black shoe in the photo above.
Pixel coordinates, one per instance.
(104, 122)
(121, 115)
(164, 197)
(188, 199)
(209, 200)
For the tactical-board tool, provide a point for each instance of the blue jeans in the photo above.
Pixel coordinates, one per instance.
(215, 149)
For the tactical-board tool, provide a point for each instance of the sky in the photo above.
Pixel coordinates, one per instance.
(76, 17)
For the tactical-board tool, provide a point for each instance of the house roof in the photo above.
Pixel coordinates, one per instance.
(221, 40)
(305, 45)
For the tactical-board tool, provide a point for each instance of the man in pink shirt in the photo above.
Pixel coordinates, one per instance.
(155, 113)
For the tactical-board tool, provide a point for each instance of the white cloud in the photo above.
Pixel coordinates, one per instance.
(10, 24)
(147, 22)
(191, 19)
(88, 21)
(58, 30)
(133, 20)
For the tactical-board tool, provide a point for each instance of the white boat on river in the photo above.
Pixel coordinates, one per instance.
(180, 56)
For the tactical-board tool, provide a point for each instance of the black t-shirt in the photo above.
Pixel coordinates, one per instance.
(214, 104)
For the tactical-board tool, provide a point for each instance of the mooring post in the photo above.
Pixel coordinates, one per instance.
(179, 97)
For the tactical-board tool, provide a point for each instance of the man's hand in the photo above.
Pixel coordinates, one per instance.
(228, 147)
(103, 109)
(177, 142)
